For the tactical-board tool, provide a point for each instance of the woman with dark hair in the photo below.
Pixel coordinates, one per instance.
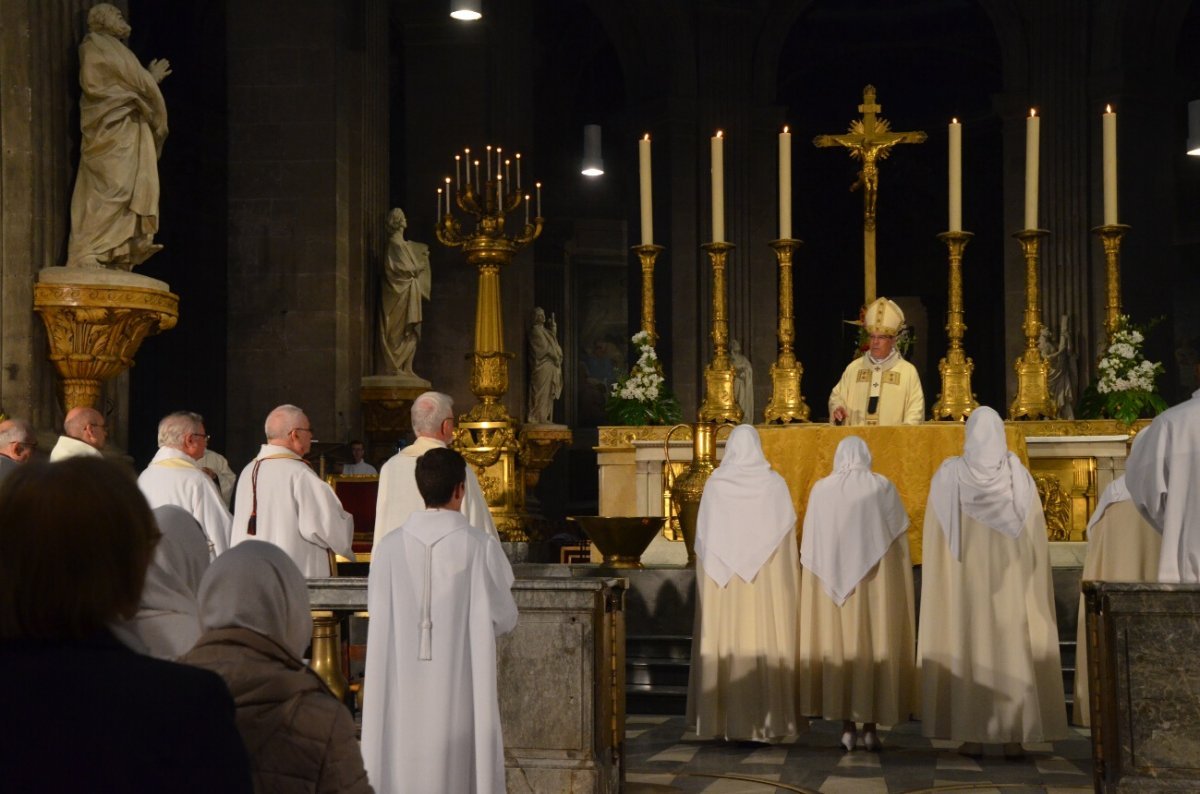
(76, 538)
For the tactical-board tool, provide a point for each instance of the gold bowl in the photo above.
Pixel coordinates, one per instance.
(621, 539)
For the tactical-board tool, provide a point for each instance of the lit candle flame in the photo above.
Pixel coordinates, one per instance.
(1108, 108)
(785, 128)
(953, 121)
(720, 134)
(1032, 112)
(646, 137)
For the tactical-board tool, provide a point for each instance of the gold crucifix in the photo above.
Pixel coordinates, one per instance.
(869, 140)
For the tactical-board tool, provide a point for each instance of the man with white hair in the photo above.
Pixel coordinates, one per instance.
(281, 500)
(173, 478)
(433, 424)
(17, 443)
(84, 434)
(879, 387)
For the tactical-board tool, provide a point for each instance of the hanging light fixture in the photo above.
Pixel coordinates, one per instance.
(466, 10)
(1193, 141)
(593, 163)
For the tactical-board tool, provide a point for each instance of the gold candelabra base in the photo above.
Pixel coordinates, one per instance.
(1110, 236)
(1033, 394)
(787, 401)
(956, 400)
(719, 405)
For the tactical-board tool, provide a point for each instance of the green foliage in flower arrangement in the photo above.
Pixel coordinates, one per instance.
(1126, 388)
(641, 397)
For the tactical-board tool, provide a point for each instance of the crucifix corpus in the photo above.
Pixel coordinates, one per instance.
(869, 140)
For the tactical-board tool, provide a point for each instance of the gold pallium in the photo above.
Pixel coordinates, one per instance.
(95, 330)
(956, 400)
(1033, 396)
(719, 405)
(787, 401)
(1110, 237)
(870, 139)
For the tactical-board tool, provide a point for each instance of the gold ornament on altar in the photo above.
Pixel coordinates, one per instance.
(956, 400)
(719, 404)
(1033, 400)
(504, 454)
(787, 401)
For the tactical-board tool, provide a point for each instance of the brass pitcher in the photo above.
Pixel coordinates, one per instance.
(689, 486)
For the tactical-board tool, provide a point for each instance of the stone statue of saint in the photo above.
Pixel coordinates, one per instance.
(1060, 367)
(405, 284)
(743, 381)
(123, 118)
(545, 368)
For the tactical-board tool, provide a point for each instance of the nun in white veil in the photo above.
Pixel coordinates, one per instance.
(858, 643)
(167, 625)
(742, 679)
(988, 641)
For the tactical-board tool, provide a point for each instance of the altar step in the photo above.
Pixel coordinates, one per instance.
(656, 673)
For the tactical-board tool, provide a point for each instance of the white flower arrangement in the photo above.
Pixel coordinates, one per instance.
(642, 396)
(1126, 388)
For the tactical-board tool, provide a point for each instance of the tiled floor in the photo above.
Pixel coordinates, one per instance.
(662, 758)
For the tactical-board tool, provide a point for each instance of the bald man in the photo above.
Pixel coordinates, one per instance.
(17, 443)
(281, 500)
(84, 434)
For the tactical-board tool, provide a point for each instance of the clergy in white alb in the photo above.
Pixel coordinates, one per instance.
(167, 623)
(858, 635)
(879, 387)
(433, 423)
(439, 595)
(216, 467)
(1163, 477)
(358, 467)
(1121, 547)
(173, 478)
(85, 432)
(988, 642)
(742, 682)
(281, 500)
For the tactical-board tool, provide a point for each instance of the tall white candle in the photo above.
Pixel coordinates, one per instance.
(1033, 126)
(538, 185)
(646, 190)
(526, 209)
(457, 166)
(507, 168)
(785, 184)
(518, 159)
(476, 176)
(447, 195)
(718, 187)
(955, 176)
(438, 214)
(487, 166)
(1110, 166)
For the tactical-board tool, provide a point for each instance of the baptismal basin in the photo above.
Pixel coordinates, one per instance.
(621, 539)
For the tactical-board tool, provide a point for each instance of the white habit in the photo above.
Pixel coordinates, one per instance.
(742, 683)
(988, 642)
(1163, 477)
(172, 478)
(1121, 547)
(297, 511)
(398, 496)
(433, 724)
(68, 447)
(857, 658)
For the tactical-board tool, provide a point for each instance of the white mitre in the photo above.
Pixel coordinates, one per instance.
(883, 316)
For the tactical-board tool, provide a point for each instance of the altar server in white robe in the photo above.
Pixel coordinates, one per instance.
(439, 595)
(858, 636)
(281, 500)
(433, 424)
(174, 478)
(988, 641)
(167, 623)
(1163, 477)
(1121, 547)
(742, 683)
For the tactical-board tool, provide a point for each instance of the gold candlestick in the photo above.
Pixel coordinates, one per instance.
(648, 254)
(719, 405)
(1033, 397)
(956, 400)
(787, 402)
(1110, 236)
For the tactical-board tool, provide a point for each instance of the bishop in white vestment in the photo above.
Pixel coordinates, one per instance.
(988, 641)
(742, 683)
(858, 629)
(281, 500)
(879, 387)
(1163, 477)
(439, 595)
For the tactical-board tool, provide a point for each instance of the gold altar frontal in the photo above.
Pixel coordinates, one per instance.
(1072, 462)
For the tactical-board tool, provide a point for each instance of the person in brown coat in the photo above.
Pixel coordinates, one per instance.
(254, 612)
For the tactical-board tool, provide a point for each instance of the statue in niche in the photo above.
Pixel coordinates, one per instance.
(743, 380)
(1060, 367)
(406, 280)
(123, 118)
(545, 368)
